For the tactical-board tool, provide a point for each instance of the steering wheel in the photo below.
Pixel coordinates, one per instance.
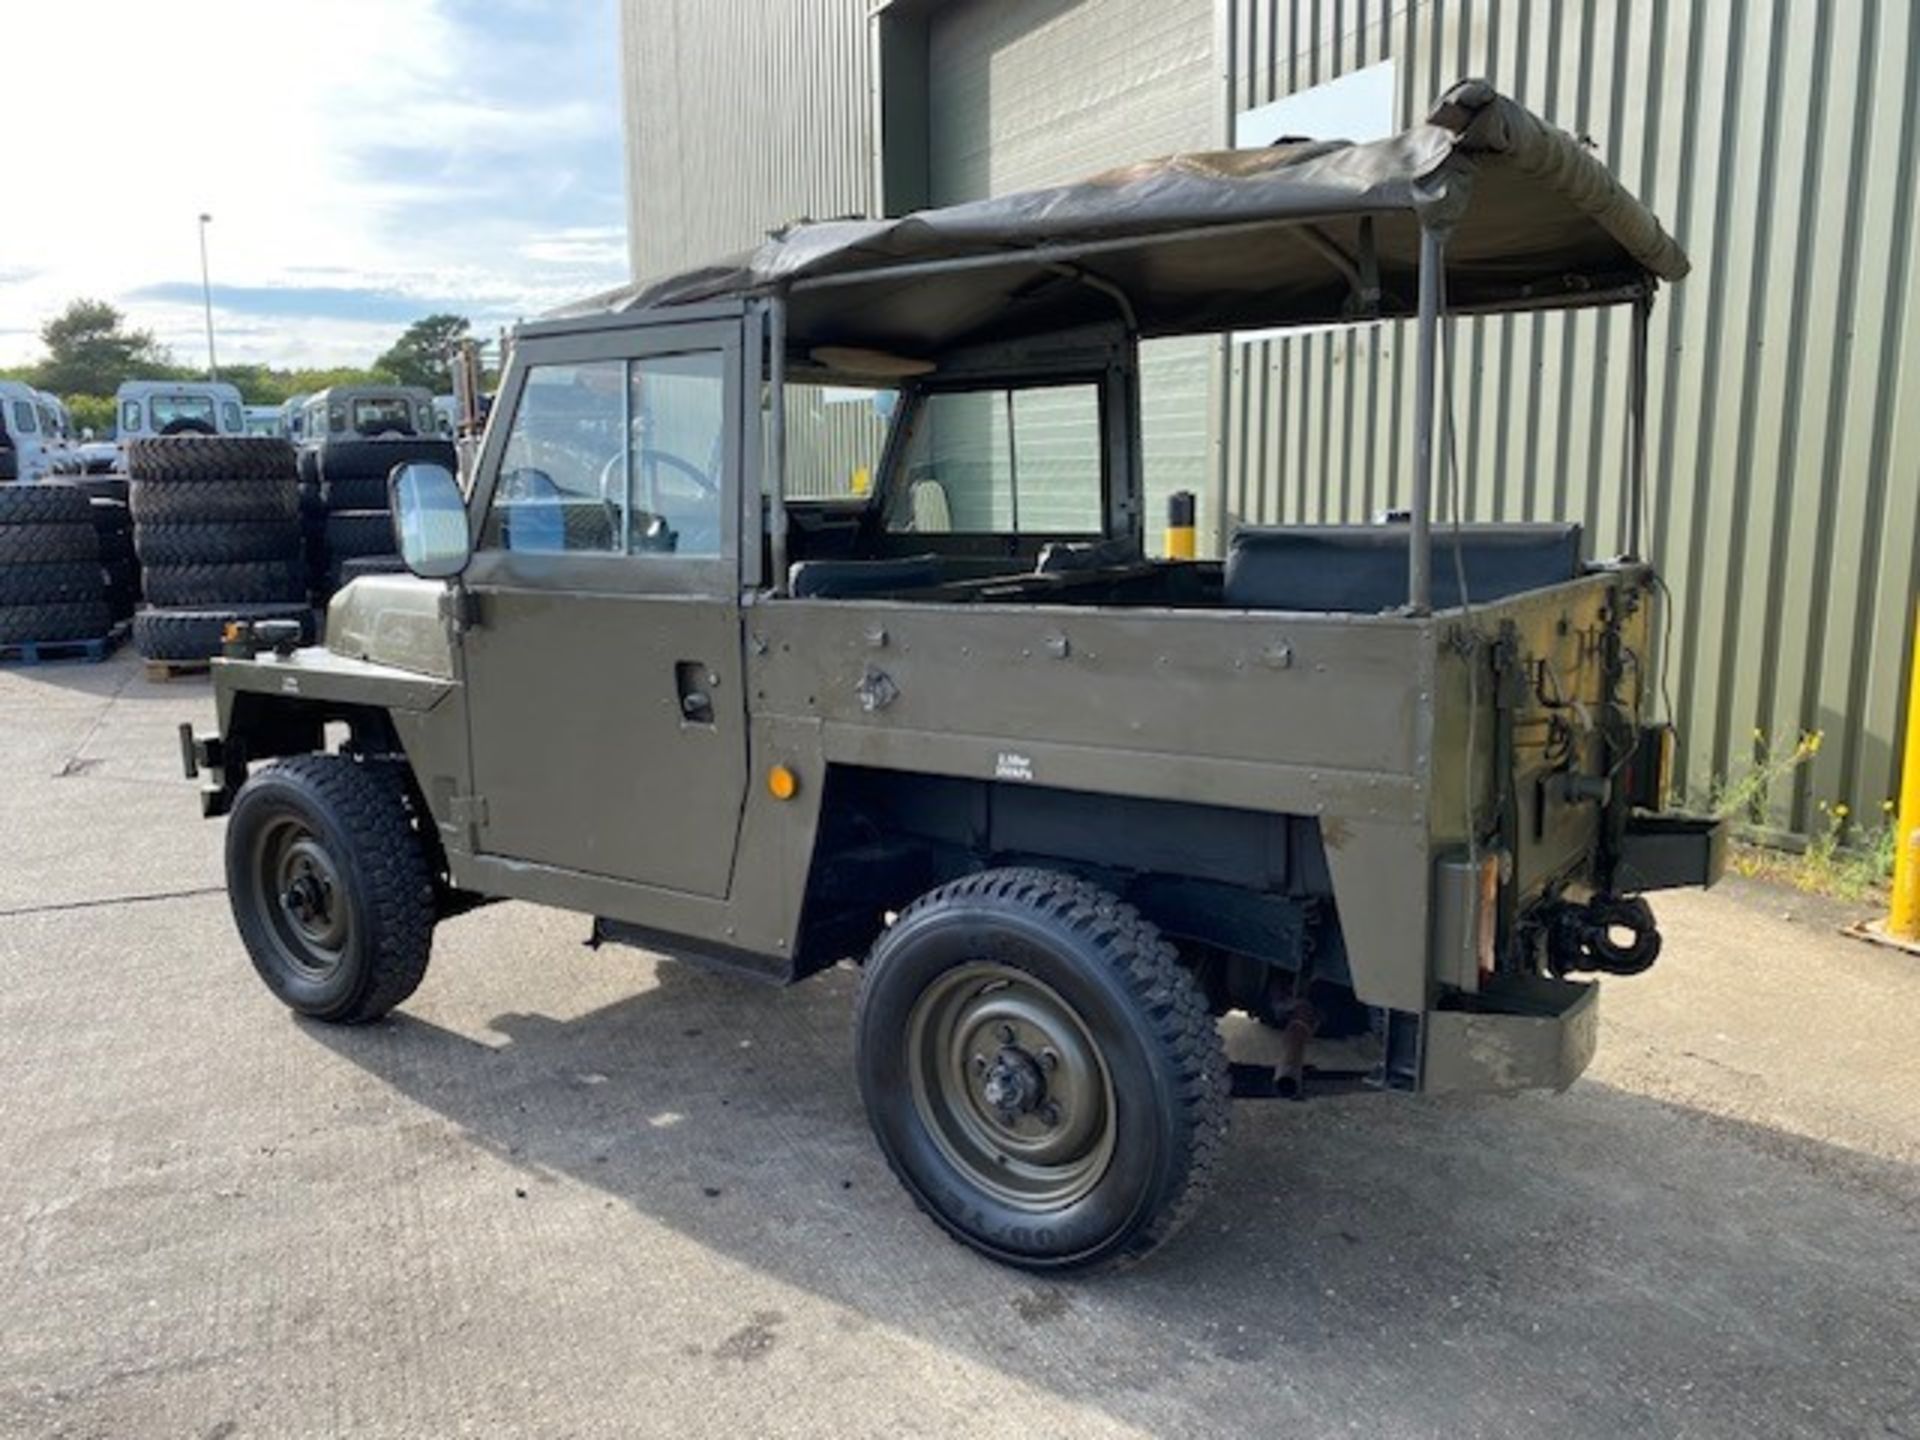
(650, 528)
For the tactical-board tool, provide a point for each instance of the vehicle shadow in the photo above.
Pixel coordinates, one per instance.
(1598, 1262)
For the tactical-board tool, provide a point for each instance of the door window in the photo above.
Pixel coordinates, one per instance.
(1003, 462)
(614, 457)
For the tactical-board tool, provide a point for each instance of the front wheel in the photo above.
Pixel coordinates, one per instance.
(1041, 1072)
(330, 885)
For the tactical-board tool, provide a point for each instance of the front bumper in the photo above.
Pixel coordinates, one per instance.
(1525, 1032)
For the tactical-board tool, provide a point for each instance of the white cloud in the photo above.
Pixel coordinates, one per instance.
(336, 145)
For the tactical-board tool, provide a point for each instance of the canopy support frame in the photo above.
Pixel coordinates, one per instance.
(1432, 303)
(777, 439)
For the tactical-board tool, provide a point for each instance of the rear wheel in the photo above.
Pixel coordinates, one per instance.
(330, 885)
(1041, 1072)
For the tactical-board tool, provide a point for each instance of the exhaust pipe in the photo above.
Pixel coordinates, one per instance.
(1290, 1075)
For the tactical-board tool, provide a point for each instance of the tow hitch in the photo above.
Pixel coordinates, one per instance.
(1614, 934)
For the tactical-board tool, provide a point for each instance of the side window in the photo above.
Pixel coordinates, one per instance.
(563, 480)
(130, 416)
(24, 420)
(614, 457)
(1003, 462)
(679, 414)
(235, 425)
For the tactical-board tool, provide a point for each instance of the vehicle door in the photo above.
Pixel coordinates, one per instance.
(603, 667)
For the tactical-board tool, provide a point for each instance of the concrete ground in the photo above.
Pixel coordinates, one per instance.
(579, 1193)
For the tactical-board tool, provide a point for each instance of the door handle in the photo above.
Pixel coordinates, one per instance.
(694, 684)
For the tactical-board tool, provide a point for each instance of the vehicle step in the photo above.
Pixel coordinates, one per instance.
(43, 652)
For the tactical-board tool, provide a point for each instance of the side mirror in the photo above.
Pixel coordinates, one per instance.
(429, 520)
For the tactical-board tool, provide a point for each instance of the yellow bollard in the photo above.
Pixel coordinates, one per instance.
(1180, 538)
(1903, 914)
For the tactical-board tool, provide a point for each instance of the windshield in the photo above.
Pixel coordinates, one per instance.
(1002, 462)
(375, 414)
(835, 434)
(166, 409)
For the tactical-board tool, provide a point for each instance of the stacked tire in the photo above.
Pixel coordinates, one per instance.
(216, 528)
(52, 588)
(113, 527)
(350, 528)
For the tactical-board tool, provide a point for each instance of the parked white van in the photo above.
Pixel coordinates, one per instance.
(265, 420)
(178, 407)
(293, 418)
(35, 438)
(368, 410)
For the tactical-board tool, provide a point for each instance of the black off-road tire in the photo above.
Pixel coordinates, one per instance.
(356, 492)
(173, 502)
(50, 503)
(356, 816)
(68, 620)
(359, 532)
(1142, 1013)
(61, 583)
(101, 487)
(225, 542)
(350, 458)
(110, 518)
(210, 457)
(197, 633)
(47, 544)
(253, 582)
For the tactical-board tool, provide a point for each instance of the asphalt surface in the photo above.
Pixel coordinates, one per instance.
(568, 1192)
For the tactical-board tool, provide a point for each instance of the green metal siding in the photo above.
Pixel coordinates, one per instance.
(1779, 142)
(741, 115)
(1049, 90)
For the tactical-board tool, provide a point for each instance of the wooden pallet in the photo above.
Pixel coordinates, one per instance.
(159, 671)
(42, 652)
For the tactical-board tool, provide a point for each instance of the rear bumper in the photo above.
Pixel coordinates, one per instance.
(1525, 1033)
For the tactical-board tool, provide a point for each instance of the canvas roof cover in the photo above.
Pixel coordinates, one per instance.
(1293, 234)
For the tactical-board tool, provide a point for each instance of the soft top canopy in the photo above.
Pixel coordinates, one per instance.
(1294, 234)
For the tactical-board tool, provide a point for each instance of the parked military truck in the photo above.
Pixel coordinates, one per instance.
(1394, 785)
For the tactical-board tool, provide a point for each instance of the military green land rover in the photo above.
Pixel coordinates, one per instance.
(803, 610)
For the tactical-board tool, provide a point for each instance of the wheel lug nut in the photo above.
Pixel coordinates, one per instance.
(1007, 1035)
(979, 1063)
(1049, 1060)
(1050, 1114)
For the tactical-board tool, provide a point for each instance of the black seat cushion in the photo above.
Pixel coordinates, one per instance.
(838, 579)
(1363, 568)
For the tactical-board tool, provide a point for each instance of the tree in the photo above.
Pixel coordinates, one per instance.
(419, 356)
(91, 412)
(89, 351)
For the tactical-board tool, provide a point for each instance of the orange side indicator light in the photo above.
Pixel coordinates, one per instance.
(782, 783)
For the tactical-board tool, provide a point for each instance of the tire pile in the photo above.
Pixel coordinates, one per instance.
(52, 588)
(216, 527)
(113, 524)
(344, 504)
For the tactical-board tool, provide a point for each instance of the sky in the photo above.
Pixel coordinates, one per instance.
(366, 162)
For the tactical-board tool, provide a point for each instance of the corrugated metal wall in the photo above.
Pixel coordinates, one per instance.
(741, 114)
(1044, 91)
(1778, 141)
